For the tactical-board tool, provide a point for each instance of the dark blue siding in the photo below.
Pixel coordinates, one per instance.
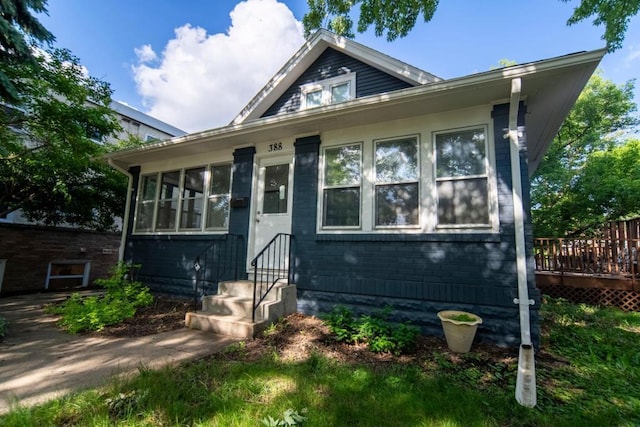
(331, 63)
(417, 274)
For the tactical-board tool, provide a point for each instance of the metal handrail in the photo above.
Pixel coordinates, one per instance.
(278, 257)
(219, 261)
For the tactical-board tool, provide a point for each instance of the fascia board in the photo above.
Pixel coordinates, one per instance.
(494, 85)
(309, 52)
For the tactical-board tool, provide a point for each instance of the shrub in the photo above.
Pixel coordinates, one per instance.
(342, 324)
(375, 330)
(120, 301)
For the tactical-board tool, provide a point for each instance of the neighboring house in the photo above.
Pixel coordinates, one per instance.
(396, 185)
(35, 257)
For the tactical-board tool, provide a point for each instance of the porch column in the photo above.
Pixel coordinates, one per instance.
(305, 186)
(242, 177)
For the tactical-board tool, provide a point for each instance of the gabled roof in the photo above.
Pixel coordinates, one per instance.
(550, 88)
(309, 52)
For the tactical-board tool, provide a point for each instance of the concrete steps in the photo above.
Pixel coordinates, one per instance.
(229, 312)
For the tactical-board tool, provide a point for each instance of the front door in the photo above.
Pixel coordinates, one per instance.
(272, 210)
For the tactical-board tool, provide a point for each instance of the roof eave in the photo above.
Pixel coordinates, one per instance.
(551, 88)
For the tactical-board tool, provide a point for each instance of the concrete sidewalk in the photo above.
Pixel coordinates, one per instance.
(39, 362)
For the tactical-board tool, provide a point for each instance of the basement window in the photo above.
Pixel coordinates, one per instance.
(68, 274)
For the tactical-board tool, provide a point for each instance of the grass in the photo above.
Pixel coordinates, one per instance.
(588, 376)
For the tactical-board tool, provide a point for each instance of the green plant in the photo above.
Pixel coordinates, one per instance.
(462, 317)
(3, 327)
(290, 417)
(375, 330)
(120, 301)
(342, 324)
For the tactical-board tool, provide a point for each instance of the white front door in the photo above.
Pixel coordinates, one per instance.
(272, 208)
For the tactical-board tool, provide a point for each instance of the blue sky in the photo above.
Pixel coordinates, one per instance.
(196, 63)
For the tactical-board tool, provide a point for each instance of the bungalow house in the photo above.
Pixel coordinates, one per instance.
(390, 186)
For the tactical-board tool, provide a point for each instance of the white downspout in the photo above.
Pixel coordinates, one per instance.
(526, 382)
(127, 208)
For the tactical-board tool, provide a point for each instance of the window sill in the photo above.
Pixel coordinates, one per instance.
(484, 237)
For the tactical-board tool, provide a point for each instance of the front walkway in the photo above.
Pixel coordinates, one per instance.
(39, 362)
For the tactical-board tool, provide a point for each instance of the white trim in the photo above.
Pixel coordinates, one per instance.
(325, 86)
(84, 276)
(547, 81)
(156, 201)
(322, 188)
(489, 162)
(309, 52)
(420, 129)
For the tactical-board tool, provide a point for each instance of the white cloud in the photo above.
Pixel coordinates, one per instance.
(201, 81)
(145, 53)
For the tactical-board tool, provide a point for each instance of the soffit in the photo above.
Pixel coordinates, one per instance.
(550, 88)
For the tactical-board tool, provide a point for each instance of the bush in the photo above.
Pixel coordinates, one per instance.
(375, 330)
(120, 301)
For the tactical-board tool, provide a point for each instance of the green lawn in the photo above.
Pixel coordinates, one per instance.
(588, 374)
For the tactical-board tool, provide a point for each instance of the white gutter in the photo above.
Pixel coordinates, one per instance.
(127, 207)
(526, 381)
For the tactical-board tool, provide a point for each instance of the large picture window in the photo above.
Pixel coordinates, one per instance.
(342, 181)
(462, 178)
(396, 188)
(174, 201)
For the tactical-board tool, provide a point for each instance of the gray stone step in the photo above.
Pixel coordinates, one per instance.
(229, 325)
(230, 311)
(228, 304)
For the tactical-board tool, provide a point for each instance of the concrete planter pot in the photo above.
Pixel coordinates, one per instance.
(458, 332)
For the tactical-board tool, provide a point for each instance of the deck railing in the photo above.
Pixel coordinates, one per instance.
(588, 256)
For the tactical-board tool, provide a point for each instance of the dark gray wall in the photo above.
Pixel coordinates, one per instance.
(418, 275)
(369, 80)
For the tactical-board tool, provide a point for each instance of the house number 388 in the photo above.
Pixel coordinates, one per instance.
(275, 147)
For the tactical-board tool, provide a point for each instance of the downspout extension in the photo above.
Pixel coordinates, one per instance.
(127, 207)
(526, 381)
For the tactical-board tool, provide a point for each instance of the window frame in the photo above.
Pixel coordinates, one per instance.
(323, 188)
(326, 87)
(376, 184)
(426, 180)
(487, 175)
(155, 202)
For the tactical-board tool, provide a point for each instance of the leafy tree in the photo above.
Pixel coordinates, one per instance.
(562, 201)
(49, 157)
(20, 31)
(614, 14)
(398, 17)
(609, 185)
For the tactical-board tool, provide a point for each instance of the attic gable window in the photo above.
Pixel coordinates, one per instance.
(329, 91)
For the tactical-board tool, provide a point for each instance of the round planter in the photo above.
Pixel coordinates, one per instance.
(459, 334)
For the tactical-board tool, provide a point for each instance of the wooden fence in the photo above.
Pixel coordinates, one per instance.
(598, 270)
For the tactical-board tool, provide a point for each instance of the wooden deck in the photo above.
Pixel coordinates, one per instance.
(601, 270)
(580, 280)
